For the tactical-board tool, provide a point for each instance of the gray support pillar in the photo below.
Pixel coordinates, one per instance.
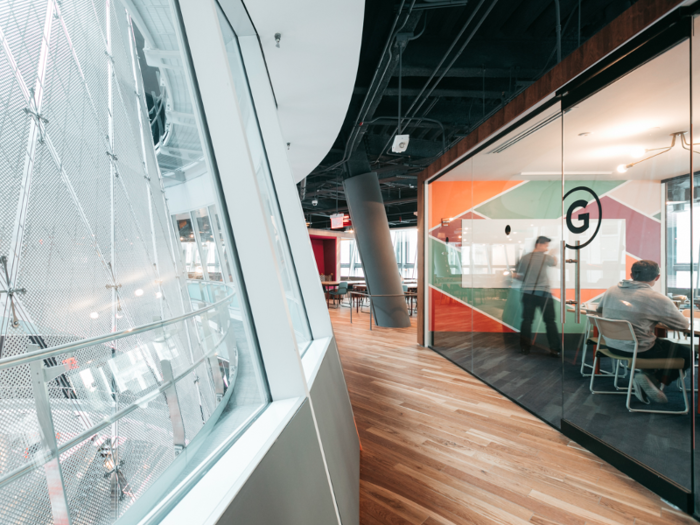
(376, 251)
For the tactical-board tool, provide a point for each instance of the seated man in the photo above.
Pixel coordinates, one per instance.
(635, 301)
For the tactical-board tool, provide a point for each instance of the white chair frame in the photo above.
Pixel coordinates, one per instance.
(628, 390)
(584, 365)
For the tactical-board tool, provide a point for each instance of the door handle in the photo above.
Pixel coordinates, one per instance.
(562, 281)
(577, 283)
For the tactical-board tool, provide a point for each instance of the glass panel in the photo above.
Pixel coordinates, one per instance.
(450, 317)
(405, 243)
(189, 249)
(275, 224)
(494, 301)
(98, 238)
(207, 245)
(220, 240)
(627, 178)
(673, 204)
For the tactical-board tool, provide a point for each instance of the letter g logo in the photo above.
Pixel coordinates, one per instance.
(584, 217)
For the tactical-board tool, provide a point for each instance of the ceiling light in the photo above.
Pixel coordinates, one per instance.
(637, 152)
(138, 293)
(159, 295)
(660, 151)
(94, 315)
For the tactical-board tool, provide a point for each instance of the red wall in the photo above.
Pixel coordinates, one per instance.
(325, 254)
(317, 245)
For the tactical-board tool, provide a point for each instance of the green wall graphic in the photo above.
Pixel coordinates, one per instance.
(504, 304)
(539, 199)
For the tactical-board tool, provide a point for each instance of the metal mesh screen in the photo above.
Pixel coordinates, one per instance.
(90, 252)
(26, 502)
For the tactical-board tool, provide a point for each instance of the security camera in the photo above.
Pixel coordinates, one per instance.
(400, 143)
(314, 201)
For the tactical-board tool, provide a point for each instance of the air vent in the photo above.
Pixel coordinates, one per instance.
(529, 131)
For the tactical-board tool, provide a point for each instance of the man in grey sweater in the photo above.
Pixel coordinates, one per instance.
(635, 301)
(532, 271)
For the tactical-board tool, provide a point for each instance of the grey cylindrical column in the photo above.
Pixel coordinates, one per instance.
(373, 239)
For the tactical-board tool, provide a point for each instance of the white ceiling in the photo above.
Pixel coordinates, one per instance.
(312, 72)
(640, 111)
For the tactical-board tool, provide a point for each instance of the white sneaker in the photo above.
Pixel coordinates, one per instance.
(647, 385)
(639, 393)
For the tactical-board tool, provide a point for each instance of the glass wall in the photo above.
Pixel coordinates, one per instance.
(485, 216)
(551, 217)
(630, 138)
(275, 224)
(118, 288)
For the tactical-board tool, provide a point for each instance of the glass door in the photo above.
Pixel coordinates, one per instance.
(627, 235)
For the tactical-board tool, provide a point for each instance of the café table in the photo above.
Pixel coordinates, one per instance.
(327, 287)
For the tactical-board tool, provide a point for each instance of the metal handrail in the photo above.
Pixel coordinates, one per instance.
(45, 353)
(405, 294)
(107, 421)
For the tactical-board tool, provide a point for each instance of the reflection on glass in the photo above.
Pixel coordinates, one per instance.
(688, 275)
(208, 244)
(624, 191)
(190, 251)
(106, 254)
(623, 143)
(536, 295)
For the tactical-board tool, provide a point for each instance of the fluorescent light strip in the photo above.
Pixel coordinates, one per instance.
(550, 173)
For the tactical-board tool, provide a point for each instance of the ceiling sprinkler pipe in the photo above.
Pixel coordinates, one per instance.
(454, 59)
(557, 9)
(373, 93)
(422, 98)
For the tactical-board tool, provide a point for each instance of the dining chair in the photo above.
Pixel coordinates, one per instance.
(621, 330)
(339, 293)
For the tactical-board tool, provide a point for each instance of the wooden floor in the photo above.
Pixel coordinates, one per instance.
(440, 447)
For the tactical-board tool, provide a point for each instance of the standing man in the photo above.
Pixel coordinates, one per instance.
(532, 271)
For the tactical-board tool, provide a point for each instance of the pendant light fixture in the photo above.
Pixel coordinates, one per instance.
(638, 152)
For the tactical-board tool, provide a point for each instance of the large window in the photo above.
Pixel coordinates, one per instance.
(273, 216)
(350, 263)
(405, 248)
(118, 283)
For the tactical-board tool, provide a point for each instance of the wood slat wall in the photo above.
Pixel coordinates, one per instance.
(439, 447)
(630, 23)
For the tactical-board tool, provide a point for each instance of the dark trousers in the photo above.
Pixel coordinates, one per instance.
(665, 349)
(545, 303)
